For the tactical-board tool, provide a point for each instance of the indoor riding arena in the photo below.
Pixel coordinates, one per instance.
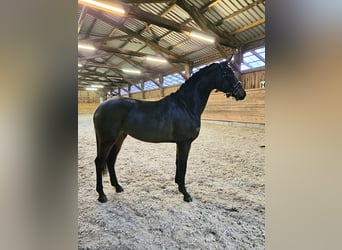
(168, 53)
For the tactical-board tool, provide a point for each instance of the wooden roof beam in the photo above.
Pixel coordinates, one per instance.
(100, 65)
(159, 49)
(144, 1)
(81, 18)
(227, 18)
(209, 5)
(134, 53)
(254, 43)
(249, 26)
(206, 25)
(172, 25)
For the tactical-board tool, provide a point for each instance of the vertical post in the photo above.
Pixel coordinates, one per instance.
(143, 89)
(161, 82)
(238, 58)
(237, 64)
(188, 70)
(129, 90)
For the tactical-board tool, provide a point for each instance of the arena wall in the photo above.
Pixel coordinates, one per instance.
(219, 108)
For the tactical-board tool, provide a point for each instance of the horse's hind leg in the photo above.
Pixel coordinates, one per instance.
(111, 162)
(183, 149)
(103, 150)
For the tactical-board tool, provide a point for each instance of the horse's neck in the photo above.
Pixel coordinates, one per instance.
(196, 99)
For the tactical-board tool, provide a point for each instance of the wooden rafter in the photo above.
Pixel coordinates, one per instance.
(154, 46)
(109, 38)
(81, 18)
(144, 1)
(172, 25)
(85, 58)
(132, 62)
(163, 14)
(90, 28)
(134, 53)
(177, 62)
(100, 65)
(254, 43)
(209, 5)
(169, 32)
(205, 24)
(227, 18)
(249, 26)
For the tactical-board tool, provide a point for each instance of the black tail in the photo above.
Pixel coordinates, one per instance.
(104, 169)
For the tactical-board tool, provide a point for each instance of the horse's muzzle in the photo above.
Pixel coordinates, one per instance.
(240, 95)
(237, 92)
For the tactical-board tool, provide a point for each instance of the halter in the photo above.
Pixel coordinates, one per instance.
(232, 92)
(235, 87)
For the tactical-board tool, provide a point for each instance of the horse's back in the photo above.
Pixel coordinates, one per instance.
(109, 115)
(112, 105)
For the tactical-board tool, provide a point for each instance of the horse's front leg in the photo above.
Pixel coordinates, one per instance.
(183, 149)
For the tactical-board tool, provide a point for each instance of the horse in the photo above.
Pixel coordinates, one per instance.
(175, 118)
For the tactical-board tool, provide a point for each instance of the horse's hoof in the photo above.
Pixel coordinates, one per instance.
(187, 198)
(102, 199)
(119, 189)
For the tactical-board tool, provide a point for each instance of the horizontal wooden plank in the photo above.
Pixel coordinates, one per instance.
(251, 109)
(87, 108)
(219, 107)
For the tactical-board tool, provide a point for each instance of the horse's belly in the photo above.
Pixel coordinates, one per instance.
(166, 133)
(159, 127)
(150, 132)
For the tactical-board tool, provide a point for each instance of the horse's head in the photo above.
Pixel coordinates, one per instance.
(230, 85)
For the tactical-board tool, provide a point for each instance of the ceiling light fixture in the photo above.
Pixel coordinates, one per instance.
(103, 6)
(132, 71)
(85, 46)
(97, 86)
(156, 59)
(80, 65)
(91, 89)
(201, 36)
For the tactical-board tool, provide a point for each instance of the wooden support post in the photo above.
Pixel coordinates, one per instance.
(143, 90)
(188, 70)
(161, 82)
(129, 90)
(238, 58)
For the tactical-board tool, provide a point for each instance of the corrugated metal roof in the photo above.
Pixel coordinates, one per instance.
(245, 24)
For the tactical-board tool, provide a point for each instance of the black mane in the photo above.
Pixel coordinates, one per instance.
(189, 83)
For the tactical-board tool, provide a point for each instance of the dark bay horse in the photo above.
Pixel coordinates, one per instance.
(175, 118)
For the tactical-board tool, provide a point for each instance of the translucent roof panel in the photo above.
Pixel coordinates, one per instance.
(253, 59)
(173, 79)
(196, 69)
(134, 89)
(150, 85)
